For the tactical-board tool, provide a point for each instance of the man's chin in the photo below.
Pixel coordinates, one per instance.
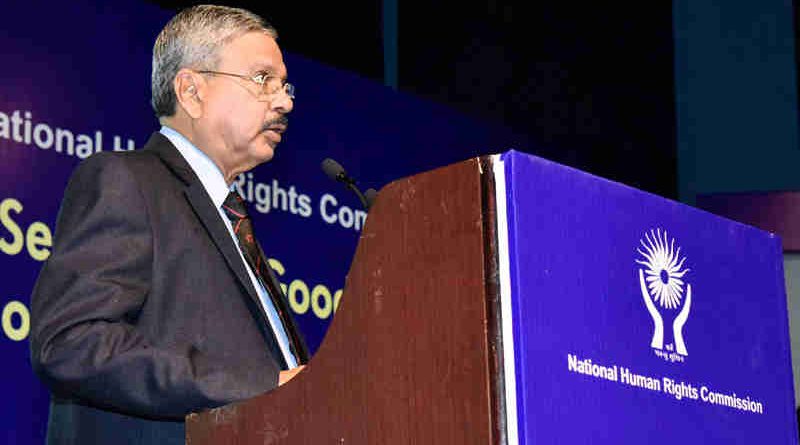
(266, 153)
(266, 147)
(272, 137)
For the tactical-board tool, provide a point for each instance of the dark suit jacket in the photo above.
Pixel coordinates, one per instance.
(144, 311)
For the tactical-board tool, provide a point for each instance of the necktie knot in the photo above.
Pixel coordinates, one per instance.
(234, 207)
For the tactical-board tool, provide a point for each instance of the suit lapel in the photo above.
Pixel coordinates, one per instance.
(209, 216)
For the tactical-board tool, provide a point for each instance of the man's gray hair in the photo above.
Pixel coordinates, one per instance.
(192, 39)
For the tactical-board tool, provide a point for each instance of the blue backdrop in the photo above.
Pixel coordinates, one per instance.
(75, 80)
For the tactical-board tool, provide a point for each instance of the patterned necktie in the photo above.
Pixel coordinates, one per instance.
(235, 209)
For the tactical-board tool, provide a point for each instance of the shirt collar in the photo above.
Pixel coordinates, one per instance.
(209, 174)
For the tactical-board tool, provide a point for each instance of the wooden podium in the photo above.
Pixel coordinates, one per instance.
(412, 353)
(511, 300)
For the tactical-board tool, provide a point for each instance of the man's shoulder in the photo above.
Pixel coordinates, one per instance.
(120, 159)
(121, 173)
(141, 163)
(124, 181)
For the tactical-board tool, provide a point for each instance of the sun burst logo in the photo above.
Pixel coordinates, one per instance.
(662, 282)
(663, 268)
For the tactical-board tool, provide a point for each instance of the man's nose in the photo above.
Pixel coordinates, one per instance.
(282, 103)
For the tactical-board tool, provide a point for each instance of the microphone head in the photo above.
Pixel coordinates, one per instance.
(333, 169)
(370, 196)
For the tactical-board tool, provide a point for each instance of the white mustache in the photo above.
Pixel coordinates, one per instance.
(281, 122)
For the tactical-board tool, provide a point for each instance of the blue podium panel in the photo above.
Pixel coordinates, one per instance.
(640, 320)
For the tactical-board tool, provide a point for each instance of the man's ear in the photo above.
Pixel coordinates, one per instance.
(189, 87)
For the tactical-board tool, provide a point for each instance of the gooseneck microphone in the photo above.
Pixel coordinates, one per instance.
(370, 196)
(335, 171)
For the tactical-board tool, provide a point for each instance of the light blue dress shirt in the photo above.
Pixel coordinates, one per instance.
(214, 183)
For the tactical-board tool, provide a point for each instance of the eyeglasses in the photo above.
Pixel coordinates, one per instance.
(270, 85)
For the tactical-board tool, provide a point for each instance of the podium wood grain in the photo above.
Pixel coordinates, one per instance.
(411, 355)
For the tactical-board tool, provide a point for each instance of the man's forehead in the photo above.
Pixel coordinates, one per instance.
(256, 51)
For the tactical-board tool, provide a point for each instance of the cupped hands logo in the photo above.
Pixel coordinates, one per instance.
(665, 291)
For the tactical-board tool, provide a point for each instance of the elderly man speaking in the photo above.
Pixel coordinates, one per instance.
(157, 300)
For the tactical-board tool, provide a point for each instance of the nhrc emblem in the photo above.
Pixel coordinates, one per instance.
(666, 294)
